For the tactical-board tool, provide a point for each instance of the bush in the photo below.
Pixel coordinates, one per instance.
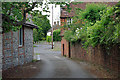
(43, 26)
(84, 19)
(93, 12)
(43, 39)
(49, 38)
(56, 36)
(35, 34)
(100, 26)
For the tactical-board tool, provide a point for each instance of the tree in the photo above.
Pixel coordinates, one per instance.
(56, 35)
(43, 24)
(35, 34)
(14, 14)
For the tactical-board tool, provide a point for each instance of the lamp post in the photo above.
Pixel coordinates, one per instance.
(52, 26)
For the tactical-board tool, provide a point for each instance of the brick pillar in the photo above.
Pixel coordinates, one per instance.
(57, 22)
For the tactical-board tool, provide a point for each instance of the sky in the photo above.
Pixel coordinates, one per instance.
(56, 12)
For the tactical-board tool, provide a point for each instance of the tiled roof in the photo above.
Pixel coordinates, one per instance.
(30, 25)
(64, 13)
(30, 22)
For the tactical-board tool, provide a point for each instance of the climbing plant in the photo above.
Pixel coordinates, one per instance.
(85, 18)
(100, 25)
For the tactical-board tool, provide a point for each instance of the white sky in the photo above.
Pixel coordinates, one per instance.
(56, 12)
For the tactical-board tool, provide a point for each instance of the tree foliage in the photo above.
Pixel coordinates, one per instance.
(49, 38)
(35, 35)
(14, 14)
(99, 25)
(56, 35)
(43, 25)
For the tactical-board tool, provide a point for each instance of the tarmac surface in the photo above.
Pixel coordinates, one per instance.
(53, 65)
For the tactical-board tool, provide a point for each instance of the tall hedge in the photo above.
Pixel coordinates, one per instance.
(49, 38)
(56, 36)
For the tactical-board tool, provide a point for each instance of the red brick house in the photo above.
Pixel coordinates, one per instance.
(95, 55)
(66, 19)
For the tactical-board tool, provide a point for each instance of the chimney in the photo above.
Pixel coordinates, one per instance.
(57, 22)
(54, 23)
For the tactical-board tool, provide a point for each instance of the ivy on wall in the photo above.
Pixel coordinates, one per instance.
(97, 24)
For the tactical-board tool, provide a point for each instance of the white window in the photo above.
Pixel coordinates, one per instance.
(21, 37)
(69, 21)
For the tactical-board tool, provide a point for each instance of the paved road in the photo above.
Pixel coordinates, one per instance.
(53, 65)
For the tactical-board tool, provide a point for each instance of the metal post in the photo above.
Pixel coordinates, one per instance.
(52, 26)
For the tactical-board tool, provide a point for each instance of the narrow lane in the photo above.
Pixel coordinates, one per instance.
(53, 65)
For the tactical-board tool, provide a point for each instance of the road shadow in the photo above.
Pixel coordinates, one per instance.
(28, 70)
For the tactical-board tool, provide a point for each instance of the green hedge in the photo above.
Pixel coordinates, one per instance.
(56, 36)
(49, 38)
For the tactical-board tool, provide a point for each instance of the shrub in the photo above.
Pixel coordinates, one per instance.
(49, 38)
(56, 35)
(92, 12)
(100, 26)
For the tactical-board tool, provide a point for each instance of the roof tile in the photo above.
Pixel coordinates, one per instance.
(64, 13)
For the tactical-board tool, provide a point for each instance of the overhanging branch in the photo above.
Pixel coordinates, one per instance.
(30, 9)
(18, 23)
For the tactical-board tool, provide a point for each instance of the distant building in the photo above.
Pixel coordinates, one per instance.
(55, 27)
(56, 12)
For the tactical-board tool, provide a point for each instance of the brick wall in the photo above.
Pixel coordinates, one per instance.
(57, 45)
(0, 51)
(7, 50)
(28, 44)
(98, 55)
(13, 54)
(66, 47)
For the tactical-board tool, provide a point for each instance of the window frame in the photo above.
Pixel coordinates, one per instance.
(69, 21)
(21, 37)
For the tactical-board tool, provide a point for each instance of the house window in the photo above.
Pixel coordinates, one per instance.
(69, 21)
(21, 37)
